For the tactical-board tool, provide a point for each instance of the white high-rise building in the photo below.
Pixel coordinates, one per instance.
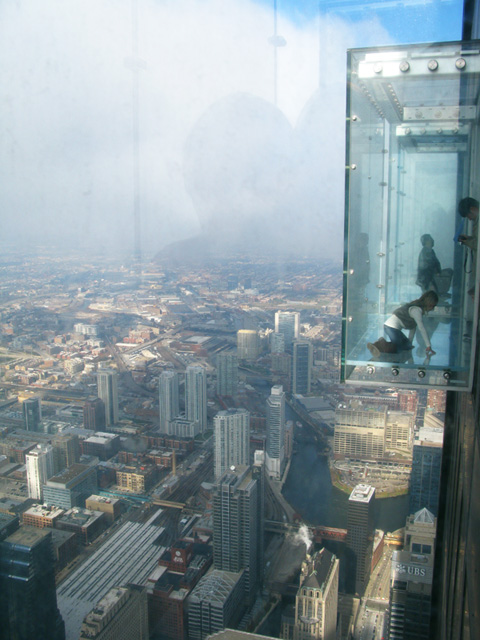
(168, 403)
(231, 431)
(275, 461)
(107, 383)
(196, 395)
(288, 323)
(39, 464)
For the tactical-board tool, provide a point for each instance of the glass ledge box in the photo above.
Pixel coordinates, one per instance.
(412, 154)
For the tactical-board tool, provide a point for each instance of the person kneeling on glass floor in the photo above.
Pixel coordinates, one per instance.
(408, 316)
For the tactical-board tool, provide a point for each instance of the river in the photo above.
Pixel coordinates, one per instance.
(309, 490)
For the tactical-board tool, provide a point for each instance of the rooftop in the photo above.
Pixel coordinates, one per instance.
(362, 493)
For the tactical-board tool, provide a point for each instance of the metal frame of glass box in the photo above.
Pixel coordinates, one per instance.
(412, 153)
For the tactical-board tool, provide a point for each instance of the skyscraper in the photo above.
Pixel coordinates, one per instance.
(231, 431)
(275, 459)
(168, 402)
(40, 467)
(32, 413)
(238, 524)
(227, 373)
(411, 580)
(302, 366)
(426, 470)
(108, 392)
(196, 395)
(248, 344)
(120, 615)
(28, 606)
(360, 535)
(66, 451)
(94, 414)
(317, 598)
(288, 323)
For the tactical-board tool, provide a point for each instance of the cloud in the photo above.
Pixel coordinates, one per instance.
(212, 143)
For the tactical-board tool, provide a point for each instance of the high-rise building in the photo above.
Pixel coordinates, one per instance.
(302, 367)
(238, 524)
(107, 382)
(168, 402)
(288, 323)
(40, 467)
(277, 342)
(275, 460)
(227, 373)
(316, 599)
(66, 451)
(360, 536)
(71, 487)
(231, 432)
(426, 470)
(411, 580)
(248, 344)
(28, 606)
(360, 432)
(196, 395)
(32, 414)
(215, 603)
(120, 615)
(94, 414)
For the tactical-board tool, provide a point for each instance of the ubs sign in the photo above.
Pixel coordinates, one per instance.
(410, 571)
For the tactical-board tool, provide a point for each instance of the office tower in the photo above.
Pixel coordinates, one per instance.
(399, 433)
(275, 459)
(108, 392)
(196, 396)
(32, 414)
(66, 451)
(411, 580)
(238, 524)
(39, 464)
(360, 535)
(120, 615)
(94, 414)
(426, 470)
(227, 373)
(28, 606)
(168, 403)
(302, 366)
(71, 487)
(277, 342)
(231, 431)
(316, 599)
(288, 323)
(360, 432)
(215, 603)
(248, 345)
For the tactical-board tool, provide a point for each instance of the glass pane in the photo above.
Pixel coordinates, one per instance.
(411, 158)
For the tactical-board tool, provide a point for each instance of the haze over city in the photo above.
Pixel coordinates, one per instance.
(200, 435)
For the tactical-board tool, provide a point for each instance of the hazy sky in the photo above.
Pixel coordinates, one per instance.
(216, 154)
